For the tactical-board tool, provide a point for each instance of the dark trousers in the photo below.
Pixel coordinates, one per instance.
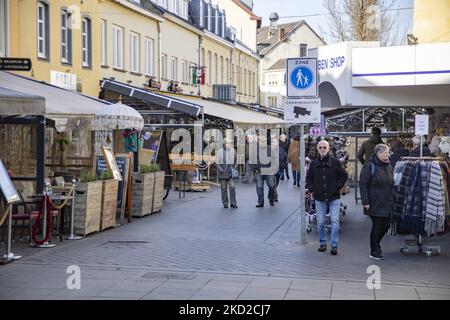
(270, 180)
(296, 176)
(380, 226)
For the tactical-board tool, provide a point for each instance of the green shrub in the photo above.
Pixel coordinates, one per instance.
(87, 176)
(106, 175)
(149, 168)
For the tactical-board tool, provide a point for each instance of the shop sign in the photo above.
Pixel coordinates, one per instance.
(421, 124)
(15, 64)
(64, 80)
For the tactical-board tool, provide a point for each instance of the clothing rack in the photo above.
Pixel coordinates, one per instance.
(418, 241)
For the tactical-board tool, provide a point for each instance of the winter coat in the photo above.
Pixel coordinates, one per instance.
(377, 188)
(325, 178)
(366, 151)
(225, 162)
(285, 146)
(262, 152)
(396, 156)
(294, 155)
(425, 151)
(283, 159)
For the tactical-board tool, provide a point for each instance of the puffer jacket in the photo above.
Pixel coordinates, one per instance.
(377, 188)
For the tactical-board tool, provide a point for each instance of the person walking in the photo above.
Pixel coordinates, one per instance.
(262, 172)
(284, 144)
(282, 164)
(326, 177)
(250, 140)
(378, 198)
(226, 163)
(294, 159)
(366, 150)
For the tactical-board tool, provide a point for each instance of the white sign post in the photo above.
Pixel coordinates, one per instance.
(421, 128)
(302, 106)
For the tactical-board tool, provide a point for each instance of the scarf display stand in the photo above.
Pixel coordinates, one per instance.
(417, 241)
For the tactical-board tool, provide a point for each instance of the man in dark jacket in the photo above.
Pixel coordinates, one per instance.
(264, 171)
(378, 198)
(416, 145)
(227, 161)
(326, 177)
(366, 151)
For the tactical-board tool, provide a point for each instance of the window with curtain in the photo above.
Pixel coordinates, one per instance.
(66, 37)
(43, 31)
(164, 66)
(103, 37)
(149, 45)
(118, 47)
(86, 42)
(134, 52)
(174, 69)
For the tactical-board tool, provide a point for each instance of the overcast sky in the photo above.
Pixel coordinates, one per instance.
(315, 14)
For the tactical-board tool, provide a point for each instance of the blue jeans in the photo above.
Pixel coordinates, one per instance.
(322, 208)
(270, 180)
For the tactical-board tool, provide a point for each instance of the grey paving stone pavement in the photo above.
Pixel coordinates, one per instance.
(196, 250)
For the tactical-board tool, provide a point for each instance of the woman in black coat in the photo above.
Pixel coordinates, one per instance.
(377, 192)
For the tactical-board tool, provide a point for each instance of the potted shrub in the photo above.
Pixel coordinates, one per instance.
(110, 188)
(88, 199)
(142, 187)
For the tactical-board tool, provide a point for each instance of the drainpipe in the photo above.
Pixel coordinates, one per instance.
(159, 52)
(199, 64)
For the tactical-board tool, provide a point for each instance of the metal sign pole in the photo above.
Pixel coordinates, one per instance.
(302, 185)
(72, 236)
(421, 145)
(9, 256)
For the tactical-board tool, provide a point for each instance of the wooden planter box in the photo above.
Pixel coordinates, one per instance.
(158, 192)
(109, 204)
(142, 187)
(88, 200)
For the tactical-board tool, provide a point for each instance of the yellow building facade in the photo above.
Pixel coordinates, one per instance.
(129, 42)
(60, 38)
(432, 21)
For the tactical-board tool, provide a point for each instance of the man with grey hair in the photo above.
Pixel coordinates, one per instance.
(326, 177)
(226, 162)
(417, 140)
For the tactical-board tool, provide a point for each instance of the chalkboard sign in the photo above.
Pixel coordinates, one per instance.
(123, 163)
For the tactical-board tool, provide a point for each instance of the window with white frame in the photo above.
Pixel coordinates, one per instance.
(86, 42)
(164, 66)
(221, 70)
(66, 37)
(43, 30)
(216, 21)
(184, 76)
(223, 24)
(303, 50)
(202, 15)
(118, 47)
(163, 3)
(149, 45)
(103, 37)
(227, 71)
(272, 102)
(209, 17)
(173, 6)
(272, 79)
(209, 67)
(215, 69)
(184, 9)
(134, 52)
(3, 28)
(174, 69)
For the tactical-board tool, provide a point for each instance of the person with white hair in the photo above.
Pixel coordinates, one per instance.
(284, 146)
(226, 163)
(416, 145)
(326, 177)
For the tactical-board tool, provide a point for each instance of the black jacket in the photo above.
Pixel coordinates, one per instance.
(425, 151)
(285, 146)
(366, 151)
(377, 190)
(283, 158)
(325, 178)
(396, 156)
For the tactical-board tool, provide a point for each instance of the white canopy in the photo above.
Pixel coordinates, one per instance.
(118, 116)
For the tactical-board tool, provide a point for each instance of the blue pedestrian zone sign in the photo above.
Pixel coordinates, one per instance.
(302, 78)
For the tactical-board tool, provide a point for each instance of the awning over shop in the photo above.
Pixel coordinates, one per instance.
(242, 118)
(191, 109)
(70, 110)
(14, 102)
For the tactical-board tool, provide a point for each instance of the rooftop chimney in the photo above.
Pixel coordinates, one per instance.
(282, 33)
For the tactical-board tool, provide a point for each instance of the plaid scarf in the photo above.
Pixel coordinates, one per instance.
(435, 204)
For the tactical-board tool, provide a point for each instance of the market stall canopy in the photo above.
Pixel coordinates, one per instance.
(69, 109)
(14, 102)
(242, 118)
(118, 116)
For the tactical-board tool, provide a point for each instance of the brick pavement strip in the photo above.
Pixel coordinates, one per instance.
(228, 252)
